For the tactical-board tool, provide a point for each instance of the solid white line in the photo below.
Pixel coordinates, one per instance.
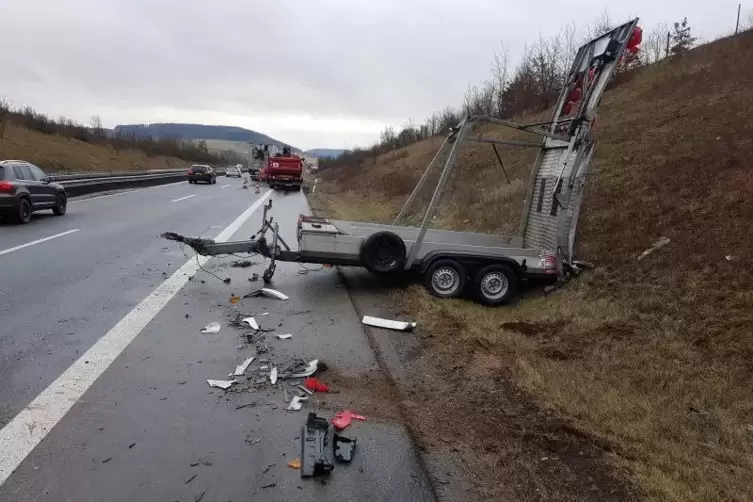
(224, 186)
(183, 198)
(123, 193)
(10, 250)
(33, 423)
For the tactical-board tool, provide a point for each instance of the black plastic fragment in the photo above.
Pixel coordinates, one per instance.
(343, 447)
(314, 459)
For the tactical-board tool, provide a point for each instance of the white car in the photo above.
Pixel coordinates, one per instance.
(233, 171)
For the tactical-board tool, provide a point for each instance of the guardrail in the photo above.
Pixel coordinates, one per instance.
(85, 183)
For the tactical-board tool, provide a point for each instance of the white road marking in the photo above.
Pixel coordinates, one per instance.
(10, 250)
(33, 423)
(224, 186)
(126, 192)
(183, 198)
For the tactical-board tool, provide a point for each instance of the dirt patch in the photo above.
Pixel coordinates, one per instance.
(371, 395)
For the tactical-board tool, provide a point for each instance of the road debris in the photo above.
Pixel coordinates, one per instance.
(106, 460)
(342, 419)
(284, 337)
(226, 280)
(241, 264)
(245, 405)
(268, 485)
(241, 368)
(295, 403)
(251, 322)
(314, 385)
(272, 293)
(295, 463)
(314, 459)
(252, 441)
(388, 323)
(200, 497)
(343, 448)
(222, 384)
(304, 389)
(131, 445)
(254, 277)
(273, 375)
(306, 371)
(212, 327)
(656, 245)
(189, 479)
(234, 299)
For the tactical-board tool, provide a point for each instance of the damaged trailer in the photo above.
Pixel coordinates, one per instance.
(492, 266)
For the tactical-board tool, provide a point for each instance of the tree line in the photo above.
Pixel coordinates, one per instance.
(531, 86)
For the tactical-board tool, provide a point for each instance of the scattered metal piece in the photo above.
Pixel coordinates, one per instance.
(343, 447)
(304, 389)
(131, 445)
(272, 293)
(388, 323)
(205, 462)
(106, 460)
(253, 441)
(314, 459)
(226, 280)
(189, 479)
(222, 384)
(212, 327)
(265, 367)
(194, 464)
(246, 405)
(251, 322)
(308, 371)
(241, 368)
(656, 245)
(273, 375)
(200, 497)
(284, 337)
(265, 313)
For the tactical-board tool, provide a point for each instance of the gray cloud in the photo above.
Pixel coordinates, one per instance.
(314, 73)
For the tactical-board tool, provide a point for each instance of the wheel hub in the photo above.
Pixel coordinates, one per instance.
(445, 280)
(494, 285)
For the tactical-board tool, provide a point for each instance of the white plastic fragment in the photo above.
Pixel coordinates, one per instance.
(310, 370)
(285, 337)
(265, 313)
(222, 384)
(657, 245)
(273, 375)
(388, 323)
(263, 367)
(241, 368)
(212, 327)
(274, 293)
(251, 322)
(295, 403)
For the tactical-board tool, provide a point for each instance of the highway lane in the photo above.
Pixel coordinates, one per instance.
(150, 423)
(59, 296)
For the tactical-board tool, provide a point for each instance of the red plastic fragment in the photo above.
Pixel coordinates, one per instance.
(342, 419)
(315, 385)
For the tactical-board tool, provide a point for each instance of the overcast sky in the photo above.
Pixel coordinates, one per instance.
(313, 73)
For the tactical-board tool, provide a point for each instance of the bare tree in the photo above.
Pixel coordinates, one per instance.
(4, 115)
(97, 130)
(682, 37)
(600, 26)
(500, 78)
(654, 44)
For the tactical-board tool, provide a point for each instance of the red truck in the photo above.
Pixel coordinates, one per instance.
(284, 171)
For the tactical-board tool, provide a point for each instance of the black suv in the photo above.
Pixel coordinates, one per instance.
(201, 172)
(25, 188)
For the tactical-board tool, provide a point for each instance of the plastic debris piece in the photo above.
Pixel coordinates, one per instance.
(241, 368)
(342, 419)
(273, 375)
(304, 389)
(388, 323)
(272, 293)
(295, 403)
(295, 463)
(343, 448)
(222, 384)
(656, 245)
(313, 384)
(310, 370)
(265, 367)
(265, 313)
(234, 300)
(251, 322)
(212, 327)
(285, 337)
(314, 458)
(241, 264)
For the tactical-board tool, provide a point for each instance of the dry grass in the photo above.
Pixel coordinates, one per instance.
(653, 359)
(61, 154)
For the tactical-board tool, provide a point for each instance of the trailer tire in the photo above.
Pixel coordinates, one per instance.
(383, 253)
(445, 279)
(495, 285)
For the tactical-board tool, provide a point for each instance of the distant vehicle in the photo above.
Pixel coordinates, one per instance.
(25, 188)
(234, 171)
(202, 172)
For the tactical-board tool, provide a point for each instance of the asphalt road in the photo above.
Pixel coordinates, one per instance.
(103, 369)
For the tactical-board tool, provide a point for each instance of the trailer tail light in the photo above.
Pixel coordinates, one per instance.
(549, 263)
(6, 187)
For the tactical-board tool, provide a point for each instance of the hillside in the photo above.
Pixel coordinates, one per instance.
(324, 152)
(55, 153)
(650, 361)
(197, 132)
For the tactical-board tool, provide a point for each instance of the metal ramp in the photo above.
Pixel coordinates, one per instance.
(555, 188)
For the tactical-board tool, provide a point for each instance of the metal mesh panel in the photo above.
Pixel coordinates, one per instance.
(541, 227)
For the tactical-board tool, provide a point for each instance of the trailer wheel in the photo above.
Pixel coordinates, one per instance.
(495, 285)
(383, 253)
(445, 279)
